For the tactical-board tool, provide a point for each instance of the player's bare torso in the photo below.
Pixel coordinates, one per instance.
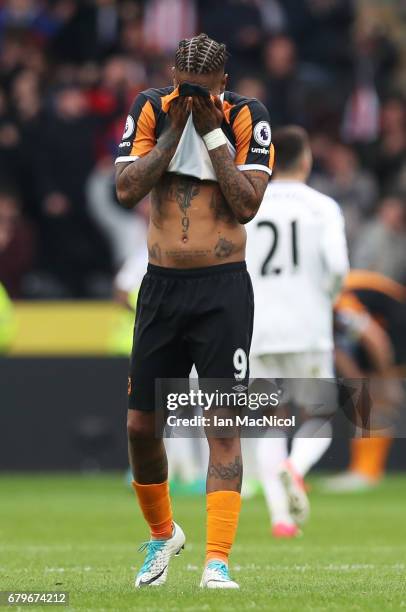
(191, 225)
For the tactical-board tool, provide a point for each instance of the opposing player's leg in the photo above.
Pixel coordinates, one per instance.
(317, 394)
(271, 453)
(310, 443)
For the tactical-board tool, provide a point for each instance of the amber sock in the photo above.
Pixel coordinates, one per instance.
(223, 511)
(156, 507)
(369, 456)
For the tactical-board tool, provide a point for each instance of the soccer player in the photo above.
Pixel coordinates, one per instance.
(205, 155)
(370, 329)
(297, 258)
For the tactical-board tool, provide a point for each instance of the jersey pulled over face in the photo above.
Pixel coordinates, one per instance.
(246, 128)
(187, 201)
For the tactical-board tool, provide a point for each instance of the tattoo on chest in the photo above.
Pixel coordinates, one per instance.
(220, 208)
(184, 192)
(180, 190)
(223, 248)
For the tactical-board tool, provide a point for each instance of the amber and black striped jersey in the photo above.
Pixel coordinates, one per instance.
(246, 127)
(369, 294)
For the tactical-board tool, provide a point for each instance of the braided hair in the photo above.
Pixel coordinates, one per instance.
(200, 55)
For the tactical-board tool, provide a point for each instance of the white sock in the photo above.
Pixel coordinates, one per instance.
(271, 452)
(182, 458)
(248, 450)
(309, 444)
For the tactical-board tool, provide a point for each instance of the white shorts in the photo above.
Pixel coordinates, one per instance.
(311, 364)
(296, 371)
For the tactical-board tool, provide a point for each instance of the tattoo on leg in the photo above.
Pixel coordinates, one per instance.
(231, 471)
(154, 252)
(223, 248)
(148, 460)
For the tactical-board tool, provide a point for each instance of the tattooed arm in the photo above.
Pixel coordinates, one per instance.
(243, 191)
(135, 180)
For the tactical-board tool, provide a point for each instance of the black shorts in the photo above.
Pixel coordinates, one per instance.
(201, 316)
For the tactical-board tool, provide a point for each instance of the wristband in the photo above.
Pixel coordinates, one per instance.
(214, 139)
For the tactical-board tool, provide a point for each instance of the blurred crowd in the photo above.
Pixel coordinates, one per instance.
(69, 70)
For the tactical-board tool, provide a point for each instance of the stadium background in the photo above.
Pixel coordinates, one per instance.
(68, 72)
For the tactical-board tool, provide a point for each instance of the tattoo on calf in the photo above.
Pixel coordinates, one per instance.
(223, 248)
(231, 471)
(154, 252)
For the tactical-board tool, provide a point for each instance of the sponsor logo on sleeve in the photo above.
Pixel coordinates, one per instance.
(129, 127)
(262, 133)
(260, 150)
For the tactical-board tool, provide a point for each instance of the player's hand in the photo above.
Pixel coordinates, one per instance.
(207, 114)
(179, 112)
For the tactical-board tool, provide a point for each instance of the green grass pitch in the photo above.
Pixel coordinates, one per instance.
(80, 534)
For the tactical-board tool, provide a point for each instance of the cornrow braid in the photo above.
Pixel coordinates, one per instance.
(200, 55)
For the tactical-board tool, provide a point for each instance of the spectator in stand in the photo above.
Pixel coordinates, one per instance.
(252, 87)
(387, 158)
(10, 142)
(237, 23)
(94, 26)
(351, 186)
(28, 15)
(166, 22)
(73, 249)
(284, 91)
(381, 245)
(374, 47)
(321, 30)
(17, 243)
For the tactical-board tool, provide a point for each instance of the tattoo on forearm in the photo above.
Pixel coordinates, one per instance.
(223, 248)
(231, 471)
(243, 194)
(154, 252)
(135, 180)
